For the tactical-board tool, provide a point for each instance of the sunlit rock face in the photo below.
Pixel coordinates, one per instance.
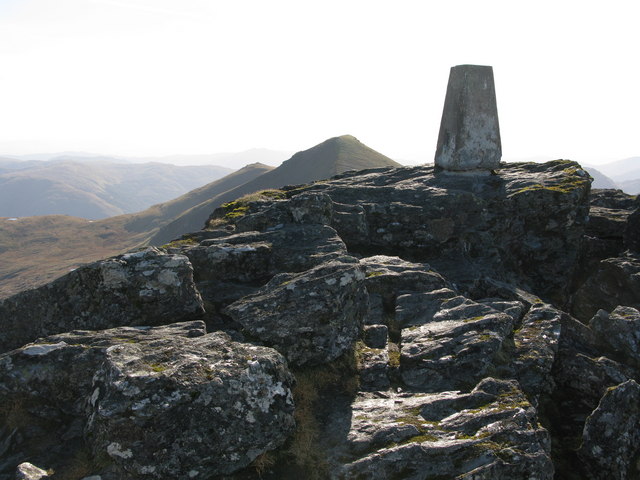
(469, 136)
(149, 287)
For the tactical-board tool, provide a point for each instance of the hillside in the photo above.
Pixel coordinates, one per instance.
(600, 180)
(35, 250)
(93, 190)
(73, 240)
(331, 157)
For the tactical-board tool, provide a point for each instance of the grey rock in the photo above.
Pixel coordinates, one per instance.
(376, 313)
(311, 317)
(373, 368)
(27, 471)
(632, 232)
(460, 346)
(143, 288)
(610, 442)
(232, 266)
(536, 346)
(611, 198)
(469, 136)
(391, 276)
(375, 336)
(522, 226)
(619, 332)
(305, 208)
(214, 396)
(616, 281)
(491, 432)
(514, 308)
(414, 309)
(154, 402)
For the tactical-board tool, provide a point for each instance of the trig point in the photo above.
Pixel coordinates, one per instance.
(469, 131)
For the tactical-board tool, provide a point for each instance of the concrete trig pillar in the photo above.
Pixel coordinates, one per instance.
(469, 136)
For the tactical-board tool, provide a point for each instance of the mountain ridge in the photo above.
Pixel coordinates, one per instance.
(28, 264)
(331, 157)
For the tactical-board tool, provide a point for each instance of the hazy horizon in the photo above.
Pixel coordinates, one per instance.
(149, 78)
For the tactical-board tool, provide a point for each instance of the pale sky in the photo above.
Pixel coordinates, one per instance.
(156, 77)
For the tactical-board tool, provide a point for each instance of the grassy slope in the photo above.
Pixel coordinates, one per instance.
(35, 250)
(331, 157)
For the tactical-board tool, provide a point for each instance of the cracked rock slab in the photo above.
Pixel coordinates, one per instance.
(311, 317)
(457, 348)
(491, 432)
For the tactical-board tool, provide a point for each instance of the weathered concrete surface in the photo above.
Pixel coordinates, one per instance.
(469, 136)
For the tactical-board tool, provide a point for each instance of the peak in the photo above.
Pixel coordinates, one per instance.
(254, 165)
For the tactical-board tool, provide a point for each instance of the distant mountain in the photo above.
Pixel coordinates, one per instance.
(93, 190)
(632, 187)
(34, 250)
(159, 215)
(600, 180)
(621, 170)
(329, 158)
(233, 160)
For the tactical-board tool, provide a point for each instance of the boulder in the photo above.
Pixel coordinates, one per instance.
(304, 209)
(144, 288)
(228, 267)
(376, 336)
(373, 368)
(311, 317)
(146, 402)
(616, 281)
(28, 471)
(389, 277)
(611, 438)
(619, 333)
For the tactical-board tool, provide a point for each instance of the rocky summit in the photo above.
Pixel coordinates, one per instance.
(390, 323)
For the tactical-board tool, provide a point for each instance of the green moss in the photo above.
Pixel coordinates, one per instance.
(474, 319)
(374, 274)
(181, 242)
(237, 212)
(156, 367)
(394, 357)
(423, 437)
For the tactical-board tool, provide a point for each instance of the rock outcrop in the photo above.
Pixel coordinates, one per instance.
(388, 323)
(148, 287)
(151, 402)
